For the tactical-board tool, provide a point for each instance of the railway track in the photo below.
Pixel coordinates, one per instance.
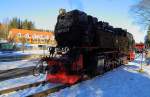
(15, 73)
(49, 91)
(56, 89)
(40, 94)
(6, 91)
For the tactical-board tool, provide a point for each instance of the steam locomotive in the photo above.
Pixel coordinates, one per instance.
(95, 47)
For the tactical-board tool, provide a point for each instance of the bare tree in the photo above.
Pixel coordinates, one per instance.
(141, 12)
(11, 39)
(5, 28)
(23, 40)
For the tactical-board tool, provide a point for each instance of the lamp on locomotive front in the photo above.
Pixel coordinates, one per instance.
(62, 11)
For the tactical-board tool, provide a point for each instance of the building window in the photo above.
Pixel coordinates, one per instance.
(27, 36)
(19, 34)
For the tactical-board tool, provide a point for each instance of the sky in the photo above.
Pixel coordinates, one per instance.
(44, 12)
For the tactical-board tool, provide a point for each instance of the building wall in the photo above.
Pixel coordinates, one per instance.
(31, 37)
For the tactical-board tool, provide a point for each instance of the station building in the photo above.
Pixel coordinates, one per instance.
(32, 38)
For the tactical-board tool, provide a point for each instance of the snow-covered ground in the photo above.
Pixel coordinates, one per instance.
(11, 64)
(8, 54)
(6, 65)
(27, 52)
(23, 81)
(17, 64)
(13, 55)
(30, 91)
(124, 81)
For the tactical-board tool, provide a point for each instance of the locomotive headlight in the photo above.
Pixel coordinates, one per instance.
(45, 63)
(62, 11)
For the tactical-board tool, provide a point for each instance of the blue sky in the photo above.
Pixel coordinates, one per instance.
(44, 12)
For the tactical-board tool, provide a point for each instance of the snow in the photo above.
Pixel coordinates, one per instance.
(17, 64)
(26, 52)
(6, 65)
(21, 81)
(30, 91)
(124, 81)
(7, 54)
(35, 52)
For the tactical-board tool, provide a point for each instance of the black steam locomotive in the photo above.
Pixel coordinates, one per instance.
(94, 47)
